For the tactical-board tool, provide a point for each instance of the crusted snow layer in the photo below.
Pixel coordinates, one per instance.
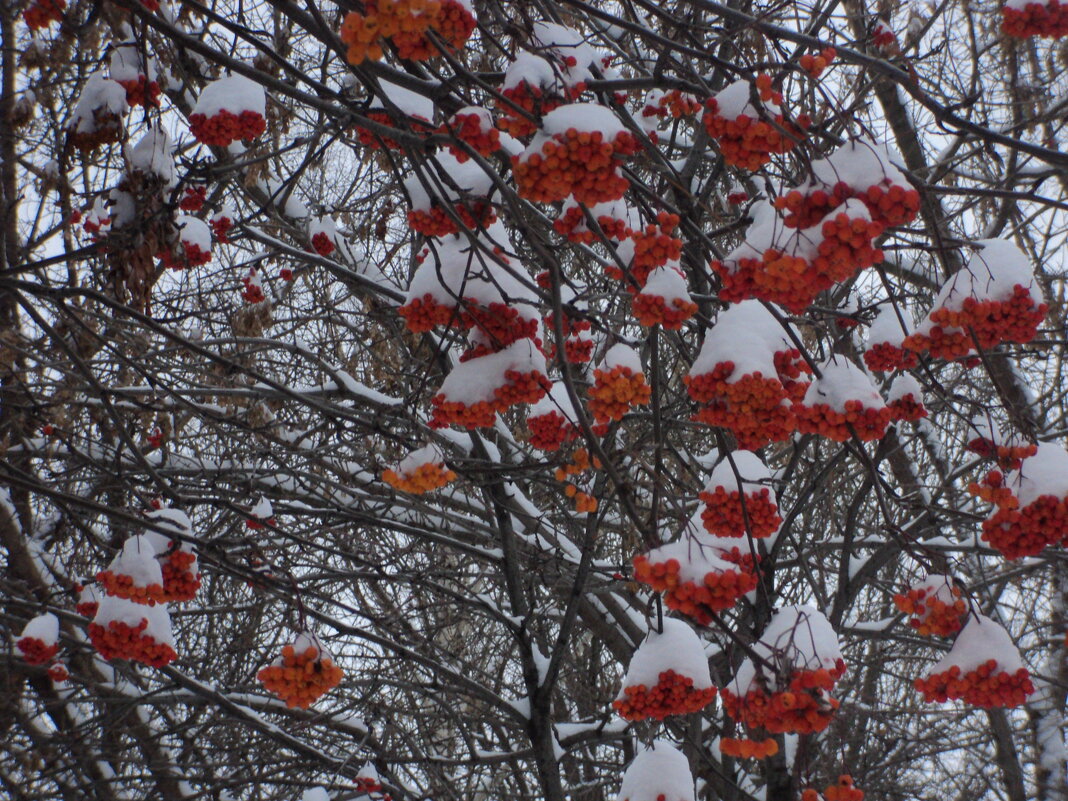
(658, 774)
(678, 648)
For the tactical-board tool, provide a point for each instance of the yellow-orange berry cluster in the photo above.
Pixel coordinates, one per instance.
(405, 24)
(224, 127)
(803, 708)
(748, 749)
(424, 478)
(36, 651)
(979, 323)
(992, 489)
(673, 694)
(469, 129)
(719, 591)
(814, 65)
(985, 686)
(723, 515)
(180, 583)
(578, 163)
(650, 310)
(820, 418)
(426, 313)
(43, 13)
(301, 679)
(1028, 531)
(1048, 20)
(931, 616)
(118, 640)
(843, 790)
(748, 142)
(121, 585)
(580, 463)
(529, 387)
(615, 392)
(673, 103)
(568, 225)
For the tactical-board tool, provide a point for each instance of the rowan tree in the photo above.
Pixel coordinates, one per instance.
(544, 399)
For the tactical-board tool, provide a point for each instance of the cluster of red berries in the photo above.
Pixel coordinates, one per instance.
(121, 585)
(374, 141)
(192, 255)
(193, 198)
(576, 163)
(725, 515)
(224, 127)
(931, 616)
(118, 640)
(87, 604)
(981, 324)
(992, 489)
(885, 357)
(424, 478)
(842, 790)
(581, 462)
(867, 423)
(673, 694)
(140, 91)
(43, 13)
(471, 129)
(572, 225)
(105, 129)
(536, 102)
(180, 583)
(36, 651)
(578, 344)
(748, 749)
(719, 591)
(405, 23)
(803, 708)
(252, 289)
(301, 679)
(436, 222)
(1008, 457)
(654, 246)
(550, 430)
(518, 387)
(673, 103)
(322, 243)
(985, 686)
(650, 310)
(220, 228)
(1028, 531)
(888, 203)
(1048, 20)
(616, 391)
(907, 408)
(814, 65)
(748, 142)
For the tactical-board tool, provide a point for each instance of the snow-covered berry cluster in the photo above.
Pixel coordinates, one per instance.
(303, 673)
(748, 137)
(1025, 18)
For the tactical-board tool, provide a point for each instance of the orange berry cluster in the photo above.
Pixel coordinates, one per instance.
(615, 391)
(578, 345)
(468, 129)
(932, 616)
(983, 687)
(885, 357)
(578, 163)
(580, 463)
(36, 651)
(375, 141)
(806, 210)
(723, 515)
(992, 321)
(584, 503)
(747, 142)
(122, 586)
(868, 423)
(674, 103)
(1027, 531)
(425, 478)
(302, 678)
(653, 247)
(888, 203)
(58, 672)
(700, 602)
(535, 101)
(141, 91)
(803, 708)
(650, 310)
(992, 489)
(843, 790)
(224, 127)
(673, 695)
(43, 13)
(426, 313)
(435, 222)
(180, 583)
(1008, 457)
(453, 23)
(405, 23)
(568, 225)
(748, 749)
(752, 407)
(1048, 20)
(498, 323)
(365, 785)
(814, 65)
(118, 640)
(551, 430)
(517, 388)
(907, 408)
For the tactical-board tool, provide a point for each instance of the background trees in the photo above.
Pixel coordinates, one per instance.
(213, 297)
